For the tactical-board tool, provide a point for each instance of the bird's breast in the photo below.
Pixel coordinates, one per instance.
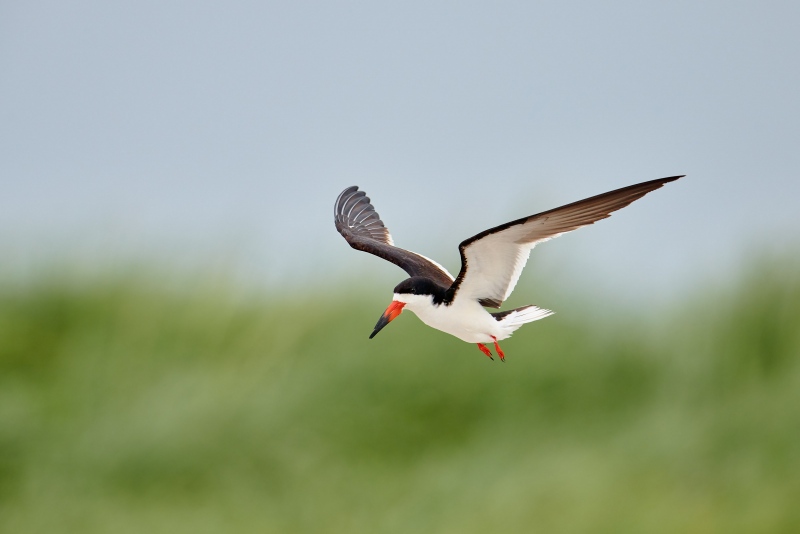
(466, 321)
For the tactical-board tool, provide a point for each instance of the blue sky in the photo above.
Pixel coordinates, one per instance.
(219, 134)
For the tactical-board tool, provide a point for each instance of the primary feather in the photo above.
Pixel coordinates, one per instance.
(492, 261)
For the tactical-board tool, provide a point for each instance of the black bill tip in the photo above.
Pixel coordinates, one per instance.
(383, 321)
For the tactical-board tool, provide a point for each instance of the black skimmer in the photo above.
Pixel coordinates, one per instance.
(491, 263)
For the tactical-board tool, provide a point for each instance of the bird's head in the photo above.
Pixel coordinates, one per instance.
(412, 292)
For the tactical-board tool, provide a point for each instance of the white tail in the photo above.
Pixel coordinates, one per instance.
(527, 314)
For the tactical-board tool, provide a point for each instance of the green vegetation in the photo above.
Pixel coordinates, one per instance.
(129, 407)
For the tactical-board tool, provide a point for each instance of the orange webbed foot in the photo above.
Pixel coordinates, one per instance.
(499, 351)
(485, 350)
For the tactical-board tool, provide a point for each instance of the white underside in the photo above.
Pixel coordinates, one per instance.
(467, 320)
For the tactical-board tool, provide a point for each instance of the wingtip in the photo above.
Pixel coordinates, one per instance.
(663, 181)
(344, 197)
(347, 191)
(652, 185)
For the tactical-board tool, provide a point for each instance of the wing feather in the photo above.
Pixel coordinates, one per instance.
(492, 261)
(362, 227)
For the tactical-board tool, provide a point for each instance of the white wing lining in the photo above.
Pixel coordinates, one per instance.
(492, 261)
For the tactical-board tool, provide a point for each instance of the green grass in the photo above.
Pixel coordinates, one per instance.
(126, 406)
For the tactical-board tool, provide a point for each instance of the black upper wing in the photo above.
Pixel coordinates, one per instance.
(361, 226)
(492, 261)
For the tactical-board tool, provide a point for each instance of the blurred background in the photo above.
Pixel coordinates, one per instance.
(183, 334)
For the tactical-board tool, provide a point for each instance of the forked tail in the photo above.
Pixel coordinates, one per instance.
(515, 318)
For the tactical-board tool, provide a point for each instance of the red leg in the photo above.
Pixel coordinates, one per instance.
(499, 352)
(485, 350)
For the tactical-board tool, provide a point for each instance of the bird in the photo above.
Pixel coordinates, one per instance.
(491, 264)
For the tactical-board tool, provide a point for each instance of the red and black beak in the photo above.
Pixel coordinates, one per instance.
(391, 312)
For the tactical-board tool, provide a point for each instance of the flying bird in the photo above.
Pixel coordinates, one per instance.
(491, 264)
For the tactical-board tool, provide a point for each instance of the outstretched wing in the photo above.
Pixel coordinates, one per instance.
(361, 226)
(492, 261)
